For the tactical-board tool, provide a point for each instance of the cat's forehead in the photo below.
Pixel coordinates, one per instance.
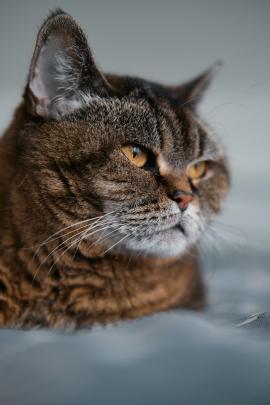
(177, 134)
(122, 120)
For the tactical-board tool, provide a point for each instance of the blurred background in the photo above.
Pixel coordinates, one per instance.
(159, 359)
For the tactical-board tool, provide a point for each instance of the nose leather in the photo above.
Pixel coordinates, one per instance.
(183, 199)
(179, 190)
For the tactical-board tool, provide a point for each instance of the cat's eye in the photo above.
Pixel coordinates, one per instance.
(196, 170)
(135, 154)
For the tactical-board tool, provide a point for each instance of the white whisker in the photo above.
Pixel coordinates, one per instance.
(75, 243)
(86, 222)
(115, 244)
(98, 223)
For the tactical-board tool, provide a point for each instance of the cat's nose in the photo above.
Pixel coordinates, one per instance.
(182, 198)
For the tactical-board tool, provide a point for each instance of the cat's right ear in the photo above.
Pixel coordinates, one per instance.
(63, 75)
(191, 92)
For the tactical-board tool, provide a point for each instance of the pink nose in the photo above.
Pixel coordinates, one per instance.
(182, 198)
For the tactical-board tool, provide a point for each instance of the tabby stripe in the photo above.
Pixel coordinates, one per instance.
(202, 139)
(63, 179)
(170, 124)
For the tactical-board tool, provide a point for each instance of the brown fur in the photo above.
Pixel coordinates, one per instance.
(59, 166)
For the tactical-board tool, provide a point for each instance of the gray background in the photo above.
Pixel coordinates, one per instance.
(162, 358)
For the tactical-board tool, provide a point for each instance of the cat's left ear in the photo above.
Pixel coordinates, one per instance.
(191, 93)
(63, 75)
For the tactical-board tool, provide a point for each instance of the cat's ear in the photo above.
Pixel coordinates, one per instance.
(63, 75)
(191, 92)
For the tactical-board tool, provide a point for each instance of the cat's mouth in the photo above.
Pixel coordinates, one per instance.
(181, 229)
(160, 242)
(159, 230)
(178, 227)
(159, 234)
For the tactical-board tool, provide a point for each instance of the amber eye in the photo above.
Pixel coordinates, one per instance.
(135, 154)
(197, 170)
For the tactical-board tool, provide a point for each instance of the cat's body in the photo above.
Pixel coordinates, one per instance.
(86, 235)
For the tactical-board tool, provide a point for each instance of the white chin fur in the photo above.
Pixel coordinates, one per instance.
(163, 244)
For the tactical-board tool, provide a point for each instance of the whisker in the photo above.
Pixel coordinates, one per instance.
(75, 243)
(102, 238)
(51, 253)
(59, 232)
(52, 238)
(85, 235)
(225, 104)
(58, 247)
(243, 242)
(106, 251)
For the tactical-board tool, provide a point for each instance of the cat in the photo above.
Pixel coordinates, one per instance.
(106, 184)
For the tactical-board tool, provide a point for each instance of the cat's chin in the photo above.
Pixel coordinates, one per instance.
(172, 242)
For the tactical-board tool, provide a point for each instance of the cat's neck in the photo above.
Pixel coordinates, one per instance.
(81, 291)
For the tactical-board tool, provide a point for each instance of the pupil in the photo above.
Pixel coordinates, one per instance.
(135, 151)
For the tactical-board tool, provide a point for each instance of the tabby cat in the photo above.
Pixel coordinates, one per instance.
(106, 183)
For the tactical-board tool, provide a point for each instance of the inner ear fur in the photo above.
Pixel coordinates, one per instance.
(63, 74)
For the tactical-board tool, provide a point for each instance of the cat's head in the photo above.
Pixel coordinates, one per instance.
(129, 152)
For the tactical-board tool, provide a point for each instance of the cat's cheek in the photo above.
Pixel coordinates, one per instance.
(213, 194)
